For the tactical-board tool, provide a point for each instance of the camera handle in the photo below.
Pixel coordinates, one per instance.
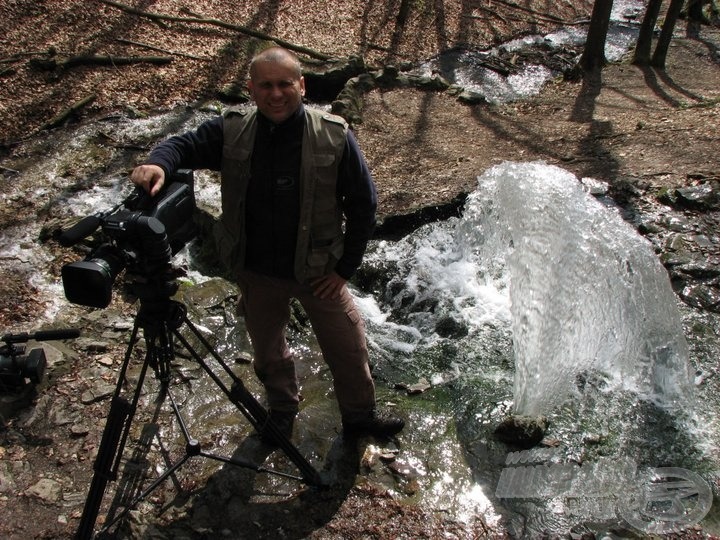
(161, 321)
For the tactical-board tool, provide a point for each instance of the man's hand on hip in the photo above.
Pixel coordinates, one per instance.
(328, 287)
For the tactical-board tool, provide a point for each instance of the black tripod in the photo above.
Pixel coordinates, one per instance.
(161, 319)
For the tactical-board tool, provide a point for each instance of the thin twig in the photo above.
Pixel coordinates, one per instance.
(153, 48)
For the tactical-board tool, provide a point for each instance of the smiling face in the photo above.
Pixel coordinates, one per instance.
(276, 84)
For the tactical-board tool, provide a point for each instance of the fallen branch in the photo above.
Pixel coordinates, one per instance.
(158, 49)
(222, 24)
(97, 60)
(4, 169)
(109, 60)
(67, 113)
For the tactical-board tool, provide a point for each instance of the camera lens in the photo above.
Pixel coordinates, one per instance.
(89, 283)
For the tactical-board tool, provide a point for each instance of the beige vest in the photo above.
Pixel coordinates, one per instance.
(319, 242)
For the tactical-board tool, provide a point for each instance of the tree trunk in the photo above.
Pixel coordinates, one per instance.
(593, 56)
(643, 47)
(660, 54)
(695, 18)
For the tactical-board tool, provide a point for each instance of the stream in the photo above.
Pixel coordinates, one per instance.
(540, 300)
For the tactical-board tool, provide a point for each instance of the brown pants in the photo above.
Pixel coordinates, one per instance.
(340, 331)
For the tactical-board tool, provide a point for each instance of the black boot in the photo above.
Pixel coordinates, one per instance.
(378, 424)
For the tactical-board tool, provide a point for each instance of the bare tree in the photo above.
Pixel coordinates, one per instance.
(661, 49)
(593, 56)
(695, 18)
(643, 47)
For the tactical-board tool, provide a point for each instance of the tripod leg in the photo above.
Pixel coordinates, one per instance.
(112, 444)
(249, 406)
(119, 411)
(243, 399)
(148, 490)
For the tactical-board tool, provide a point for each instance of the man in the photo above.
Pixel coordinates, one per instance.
(298, 208)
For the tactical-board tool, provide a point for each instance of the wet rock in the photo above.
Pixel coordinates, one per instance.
(210, 294)
(595, 187)
(418, 388)
(469, 97)
(349, 102)
(370, 460)
(448, 327)
(705, 196)
(396, 226)
(699, 269)
(402, 468)
(676, 223)
(374, 458)
(522, 431)
(702, 296)
(433, 83)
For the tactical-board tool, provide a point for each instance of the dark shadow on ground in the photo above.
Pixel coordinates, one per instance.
(238, 502)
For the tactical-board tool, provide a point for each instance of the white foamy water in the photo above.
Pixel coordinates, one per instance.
(579, 289)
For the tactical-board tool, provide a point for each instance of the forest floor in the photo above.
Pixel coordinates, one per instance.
(641, 130)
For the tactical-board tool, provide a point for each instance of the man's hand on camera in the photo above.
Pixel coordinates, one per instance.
(328, 286)
(149, 177)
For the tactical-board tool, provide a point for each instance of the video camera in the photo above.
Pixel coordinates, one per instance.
(144, 233)
(16, 367)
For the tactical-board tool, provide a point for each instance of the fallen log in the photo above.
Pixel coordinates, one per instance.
(52, 64)
(110, 60)
(67, 113)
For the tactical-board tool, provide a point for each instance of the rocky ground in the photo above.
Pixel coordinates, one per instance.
(650, 135)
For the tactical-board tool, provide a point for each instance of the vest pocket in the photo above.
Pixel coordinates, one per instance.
(324, 255)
